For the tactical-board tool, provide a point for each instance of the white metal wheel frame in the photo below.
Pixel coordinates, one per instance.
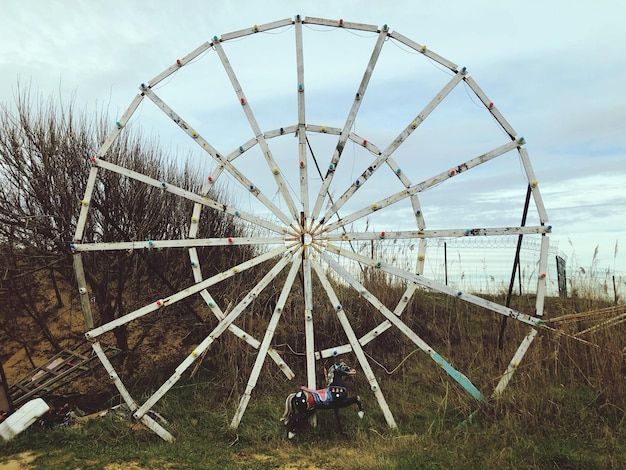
(303, 237)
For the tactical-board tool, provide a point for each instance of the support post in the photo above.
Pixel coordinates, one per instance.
(5, 399)
(445, 261)
(516, 266)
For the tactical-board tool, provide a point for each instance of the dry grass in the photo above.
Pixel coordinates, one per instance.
(563, 409)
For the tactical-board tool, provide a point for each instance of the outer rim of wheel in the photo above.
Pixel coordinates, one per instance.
(308, 238)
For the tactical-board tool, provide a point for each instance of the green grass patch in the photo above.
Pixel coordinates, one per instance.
(511, 433)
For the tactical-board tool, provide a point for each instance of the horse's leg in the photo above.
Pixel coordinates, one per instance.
(297, 422)
(295, 411)
(291, 428)
(288, 409)
(355, 400)
(361, 412)
(338, 420)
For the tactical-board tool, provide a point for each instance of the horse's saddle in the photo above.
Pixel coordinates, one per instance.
(324, 396)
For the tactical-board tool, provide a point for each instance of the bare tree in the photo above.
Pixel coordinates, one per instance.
(45, 151)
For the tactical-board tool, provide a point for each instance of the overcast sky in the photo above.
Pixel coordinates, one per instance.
(556, 70)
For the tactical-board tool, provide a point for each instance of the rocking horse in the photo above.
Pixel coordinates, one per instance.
(301, 405)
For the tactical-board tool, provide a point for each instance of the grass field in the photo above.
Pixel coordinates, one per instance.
(560, 426)
(563, 409)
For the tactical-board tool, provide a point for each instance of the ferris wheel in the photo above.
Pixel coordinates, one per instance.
(313, 210)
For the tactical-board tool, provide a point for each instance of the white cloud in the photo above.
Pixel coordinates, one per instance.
(554, 70)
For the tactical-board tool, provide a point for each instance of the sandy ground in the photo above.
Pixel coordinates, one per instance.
(18, 462)
(22, 461)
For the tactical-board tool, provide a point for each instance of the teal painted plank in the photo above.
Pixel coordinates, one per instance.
(456, 375)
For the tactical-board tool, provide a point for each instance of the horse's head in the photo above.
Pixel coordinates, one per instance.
(341, 368)
(337, 371)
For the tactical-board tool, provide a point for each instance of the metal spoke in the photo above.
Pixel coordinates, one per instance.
(386, 154)
(265, 345)
(207, 147)
(323, 192)
(211, 337)
(256, 129)
(437, 286)
(355, 345)
(416, 188)
(395, 320)
(184, 293)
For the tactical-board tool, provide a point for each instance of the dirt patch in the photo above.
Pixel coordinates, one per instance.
(18, 462)
(289, 458)
(22, 462)
(125, 466)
